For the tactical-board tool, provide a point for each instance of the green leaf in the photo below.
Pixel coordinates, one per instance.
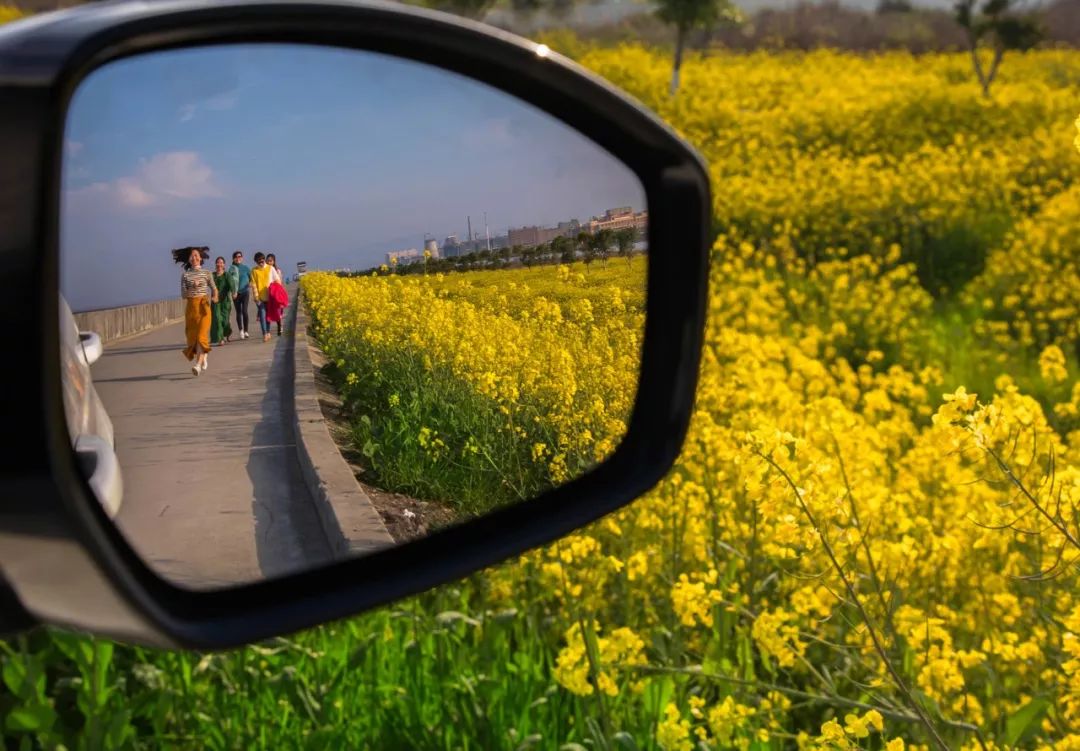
(14, 674)
(658, 693)
(34, 719)
(119, 728)
(1024, 720)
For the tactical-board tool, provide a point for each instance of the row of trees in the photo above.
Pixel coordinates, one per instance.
(587, 247)
(991, 27)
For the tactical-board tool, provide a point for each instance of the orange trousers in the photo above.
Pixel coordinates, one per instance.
(197, 318)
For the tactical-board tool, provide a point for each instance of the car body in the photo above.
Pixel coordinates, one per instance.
(88, 423)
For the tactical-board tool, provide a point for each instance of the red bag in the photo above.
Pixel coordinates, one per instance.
(277, 300)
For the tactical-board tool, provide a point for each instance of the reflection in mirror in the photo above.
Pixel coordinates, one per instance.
(328, 301)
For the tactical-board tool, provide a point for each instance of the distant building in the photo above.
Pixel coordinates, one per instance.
(411, 255)
(621, 218)
(529, 236)
(479, 245)
(533, 236)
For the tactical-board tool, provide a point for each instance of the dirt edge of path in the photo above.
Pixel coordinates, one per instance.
(405, 518)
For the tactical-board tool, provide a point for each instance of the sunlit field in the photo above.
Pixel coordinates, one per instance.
(484, 388)
(872, 536)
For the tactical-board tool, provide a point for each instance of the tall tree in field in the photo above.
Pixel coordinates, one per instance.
(585, 244)
(999, 25)
(562, 249)
(601, 244)
(687, 15)
(624, 242)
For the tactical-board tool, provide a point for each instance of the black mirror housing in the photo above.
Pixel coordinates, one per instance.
(62, 560)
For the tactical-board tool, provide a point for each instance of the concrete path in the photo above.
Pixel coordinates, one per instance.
(213, 493)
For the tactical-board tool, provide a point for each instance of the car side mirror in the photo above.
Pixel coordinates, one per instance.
(499, 309)
(92, 346)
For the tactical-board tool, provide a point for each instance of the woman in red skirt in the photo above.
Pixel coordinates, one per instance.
(278, 298)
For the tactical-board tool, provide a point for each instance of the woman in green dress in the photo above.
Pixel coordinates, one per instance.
(220, 328)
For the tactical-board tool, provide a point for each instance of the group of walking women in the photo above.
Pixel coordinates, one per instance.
(211, 298)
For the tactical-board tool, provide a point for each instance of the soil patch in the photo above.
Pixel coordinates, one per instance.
(405, 518)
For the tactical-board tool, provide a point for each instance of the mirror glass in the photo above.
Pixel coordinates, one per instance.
(318, 302)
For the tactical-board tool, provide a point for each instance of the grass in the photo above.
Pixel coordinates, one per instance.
(431, 673)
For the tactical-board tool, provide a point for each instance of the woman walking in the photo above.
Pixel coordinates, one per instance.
(278, 298)
(197, 287)
(260, 286)
(221, 325)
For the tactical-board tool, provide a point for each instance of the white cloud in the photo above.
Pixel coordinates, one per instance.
(163, 178)
(130, 193)
(73, 148)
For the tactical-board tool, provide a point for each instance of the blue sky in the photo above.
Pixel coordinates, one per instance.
(328, 156)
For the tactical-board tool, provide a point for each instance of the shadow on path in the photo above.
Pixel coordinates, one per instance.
(120, 349)
(134, 379)
(288, 535)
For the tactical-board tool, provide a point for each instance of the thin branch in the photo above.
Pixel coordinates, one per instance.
(874, 578)
(878, 646)
(1031, 498)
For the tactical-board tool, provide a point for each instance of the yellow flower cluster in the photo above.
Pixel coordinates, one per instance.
(586, 664)
(853, 548)
(837, 737)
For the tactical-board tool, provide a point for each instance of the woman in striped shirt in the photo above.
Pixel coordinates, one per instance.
(198, 288)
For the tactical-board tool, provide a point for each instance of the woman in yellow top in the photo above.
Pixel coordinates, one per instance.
(198, 288)
(260, 291)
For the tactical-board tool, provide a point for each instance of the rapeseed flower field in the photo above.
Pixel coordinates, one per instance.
(508, 382)
(871, 539)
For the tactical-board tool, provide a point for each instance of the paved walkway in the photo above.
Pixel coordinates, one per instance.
(213, 493)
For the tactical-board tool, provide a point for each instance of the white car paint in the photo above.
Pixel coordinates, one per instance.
(88, 423)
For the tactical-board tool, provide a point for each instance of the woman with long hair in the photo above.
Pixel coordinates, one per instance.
(278, 298)
(198, 288)
(220, 324)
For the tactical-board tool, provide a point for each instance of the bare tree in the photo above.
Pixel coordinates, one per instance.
(999, 25)
(687, 15)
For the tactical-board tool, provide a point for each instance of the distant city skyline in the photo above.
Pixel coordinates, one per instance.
(328, 156)
(417, 240)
